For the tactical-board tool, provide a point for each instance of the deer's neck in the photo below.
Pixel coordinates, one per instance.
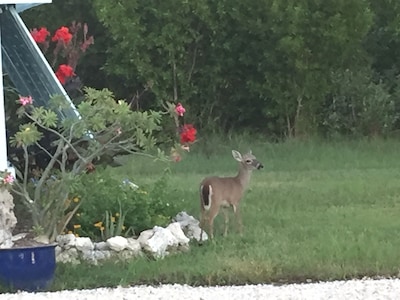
(243, 177)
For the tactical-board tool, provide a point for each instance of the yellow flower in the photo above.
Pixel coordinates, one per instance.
(113, 219)
(98, 224)
(27, 128)
(77, 235)
(123, 227)
(76, 226)
(69, 231)
(102, 228)
(76, 199)
(78, 214)
(117, 215)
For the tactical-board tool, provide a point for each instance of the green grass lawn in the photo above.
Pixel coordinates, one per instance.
(317, 211)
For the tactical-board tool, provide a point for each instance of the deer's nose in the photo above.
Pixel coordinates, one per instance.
(260, 166)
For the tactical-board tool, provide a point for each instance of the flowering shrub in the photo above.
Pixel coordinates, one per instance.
(186, 132)
(105, 126)
(68, 45)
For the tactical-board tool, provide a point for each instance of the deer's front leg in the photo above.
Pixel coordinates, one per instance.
(238, 216)
(226, 218)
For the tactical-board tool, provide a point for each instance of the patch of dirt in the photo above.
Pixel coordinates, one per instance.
(27, 241)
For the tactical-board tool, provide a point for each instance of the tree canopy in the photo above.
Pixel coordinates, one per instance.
(287, 68)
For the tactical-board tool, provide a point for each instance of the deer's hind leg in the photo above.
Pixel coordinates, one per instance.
(212, 213)
(202, 223)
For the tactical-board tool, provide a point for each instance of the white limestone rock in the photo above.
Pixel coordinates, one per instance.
(66, 241)
(19, 236)
(185, 219)
(7, 218)
(102, 246)
(194, 232)
(128, 254)
(58, 250)
(84, 244)
(102, 254)
(134, 245)
(176, 230)
(117, 243)
(68, 256)
(144, 236)
(88, 255)
(190, 226)
(5, 238)
(158, 244)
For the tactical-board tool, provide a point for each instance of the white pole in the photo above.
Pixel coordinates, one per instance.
(3, 140)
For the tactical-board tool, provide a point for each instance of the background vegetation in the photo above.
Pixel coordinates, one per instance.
(284, 68)
(325, 72)
(318, 211)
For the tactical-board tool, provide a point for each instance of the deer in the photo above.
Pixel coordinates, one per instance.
(225, 192)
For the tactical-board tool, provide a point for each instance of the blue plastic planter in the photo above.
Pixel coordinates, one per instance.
(29, 268)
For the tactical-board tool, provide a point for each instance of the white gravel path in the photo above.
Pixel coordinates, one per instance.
(366, 289)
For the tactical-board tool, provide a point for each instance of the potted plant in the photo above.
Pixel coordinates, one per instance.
(28, 268)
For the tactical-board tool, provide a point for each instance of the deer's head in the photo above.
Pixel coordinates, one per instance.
(248, 160)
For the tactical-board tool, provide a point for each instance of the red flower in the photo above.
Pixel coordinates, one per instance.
(64, 72)
(62, 34)
(188, 134)
(40, 35)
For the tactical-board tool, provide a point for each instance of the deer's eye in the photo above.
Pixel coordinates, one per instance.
(248, 161)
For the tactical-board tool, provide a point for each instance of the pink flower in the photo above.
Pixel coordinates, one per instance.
(180, 110)
(25, 100)
(8, 179)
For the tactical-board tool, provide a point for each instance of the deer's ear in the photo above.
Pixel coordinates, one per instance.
(250, 152)
(236, 155)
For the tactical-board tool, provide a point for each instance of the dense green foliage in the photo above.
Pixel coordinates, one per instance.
(287, 68)
(107, 199)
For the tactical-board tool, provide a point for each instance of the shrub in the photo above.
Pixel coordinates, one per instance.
(105, 127)
(359, 106)
(109, 206)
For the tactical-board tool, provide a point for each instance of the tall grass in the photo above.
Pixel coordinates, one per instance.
(317, 211)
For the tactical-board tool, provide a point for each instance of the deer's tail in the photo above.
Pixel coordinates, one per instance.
(206, 196)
